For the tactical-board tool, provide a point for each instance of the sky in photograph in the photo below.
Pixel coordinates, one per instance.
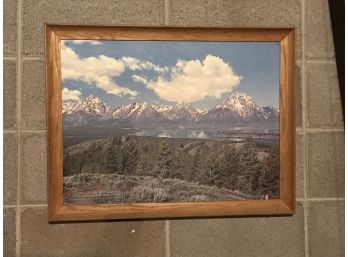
(167, 72)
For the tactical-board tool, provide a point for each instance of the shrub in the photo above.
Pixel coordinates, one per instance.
(141, 194)
(160, 195)
(197, 198)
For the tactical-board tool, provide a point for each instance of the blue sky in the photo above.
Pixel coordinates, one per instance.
(161, 72)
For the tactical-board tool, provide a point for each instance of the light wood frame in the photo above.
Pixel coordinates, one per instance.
(59, 212)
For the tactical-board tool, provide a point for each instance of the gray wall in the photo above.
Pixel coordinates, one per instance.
(315, 230)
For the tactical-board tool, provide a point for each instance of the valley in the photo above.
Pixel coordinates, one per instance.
(165, 153)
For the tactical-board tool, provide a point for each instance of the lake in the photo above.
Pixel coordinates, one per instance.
(74, 135)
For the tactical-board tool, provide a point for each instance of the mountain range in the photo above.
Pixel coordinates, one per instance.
(238, 108)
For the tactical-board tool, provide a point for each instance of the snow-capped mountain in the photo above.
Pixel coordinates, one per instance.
(239, 107)
(183, 112)
(91, 104)
(84, 111)
(239, 103)
(268, 112)
(162, 108)
(136, 112)
(202, 111)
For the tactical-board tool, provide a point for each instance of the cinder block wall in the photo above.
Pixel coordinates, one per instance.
(315, 230)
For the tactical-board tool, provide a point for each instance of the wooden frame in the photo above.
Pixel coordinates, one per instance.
(58, 212)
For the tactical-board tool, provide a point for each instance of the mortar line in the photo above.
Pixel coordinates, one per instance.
(33, 131)
(166, 12)
(10, 205)
(33, 205)
(304, 124)
(321, 59)
(167, 238)
(319, 199)
(316, 130)
(9, 131)
(19, 91)
(33, 58)
(10, 58)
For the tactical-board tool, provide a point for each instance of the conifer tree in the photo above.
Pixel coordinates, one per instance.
(229, 167)
(164, 161)
(130, 159)
(113, 158)
(211, 171)
(250, 167)
(168, 166)
(270, 174)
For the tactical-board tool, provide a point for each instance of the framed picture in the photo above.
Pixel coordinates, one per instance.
(162, 122)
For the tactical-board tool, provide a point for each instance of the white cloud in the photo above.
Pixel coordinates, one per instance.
(131, 63)
(70, 94)
(96, 71)
(139, 79)
(91, 42)
(192, 81)
(136, 64)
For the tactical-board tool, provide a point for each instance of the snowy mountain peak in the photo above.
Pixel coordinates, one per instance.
(91, 104)
(92, 98)
(237, 107)
(136, 111)
(202, 111)
(183, 104)
(239, 101)
(182, 111)
(162, 108)
(83, 111)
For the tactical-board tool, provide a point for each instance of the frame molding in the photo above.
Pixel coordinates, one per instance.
(59, 212)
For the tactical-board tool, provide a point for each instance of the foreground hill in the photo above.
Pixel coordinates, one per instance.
(115, 188)
(246, 166)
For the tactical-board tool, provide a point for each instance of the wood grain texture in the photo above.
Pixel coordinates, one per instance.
(59, 212)
(169, 33)
(287, 120)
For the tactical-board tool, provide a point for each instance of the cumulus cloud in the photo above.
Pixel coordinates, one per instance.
(73, 95)
(96, 71)
(193, 80)
(91, 42)
(139, 79)
(136, 64)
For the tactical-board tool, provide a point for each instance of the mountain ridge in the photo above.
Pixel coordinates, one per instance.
(238, 107)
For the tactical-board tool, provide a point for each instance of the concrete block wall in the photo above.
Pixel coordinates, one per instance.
(316, 230)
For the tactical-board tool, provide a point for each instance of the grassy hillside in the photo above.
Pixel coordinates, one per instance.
(115, 188)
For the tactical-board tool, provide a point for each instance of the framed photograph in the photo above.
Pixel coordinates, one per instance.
(163, 122)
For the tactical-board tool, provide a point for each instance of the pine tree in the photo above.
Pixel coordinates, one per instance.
(192, 170)
(229, 168)
(164, 161)
(112, 158)
(250, 167)
(177, 169)
(211, 171)
(198, 164)
(141, 167)
(270, 174)
(130, 159)
(168, 166)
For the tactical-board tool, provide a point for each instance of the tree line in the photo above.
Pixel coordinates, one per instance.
(235, 168)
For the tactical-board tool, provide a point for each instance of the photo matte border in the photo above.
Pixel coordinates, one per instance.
(60, 212)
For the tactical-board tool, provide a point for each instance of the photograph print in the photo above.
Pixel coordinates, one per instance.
(169, 121)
